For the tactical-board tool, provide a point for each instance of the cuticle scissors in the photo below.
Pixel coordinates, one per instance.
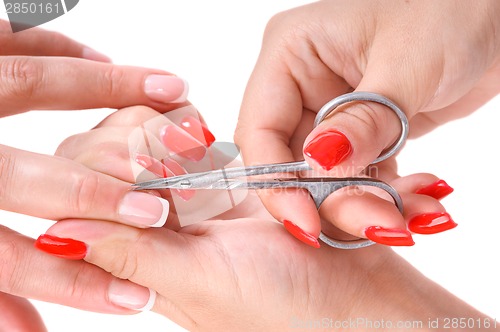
(318, 187)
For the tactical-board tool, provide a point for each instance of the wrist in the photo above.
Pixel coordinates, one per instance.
(396, 296)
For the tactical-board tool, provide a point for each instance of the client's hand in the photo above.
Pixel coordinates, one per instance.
(243, 273)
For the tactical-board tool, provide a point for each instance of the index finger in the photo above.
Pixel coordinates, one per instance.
(39, 42)
(56, 188)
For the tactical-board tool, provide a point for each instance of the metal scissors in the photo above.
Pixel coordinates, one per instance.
(319, 188)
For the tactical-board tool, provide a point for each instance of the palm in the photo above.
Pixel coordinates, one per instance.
(254, 266)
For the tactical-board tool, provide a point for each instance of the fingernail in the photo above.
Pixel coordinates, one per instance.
(181, 143)
(328, 149)
(438, 190)
(196, 129)
(142, 209)
(300, 234)
(126, 294)
(389, 236)
(61, 247)
(165, 168)
(91, 54)
(151, 164)
(431, 223)
(175, 169)
(166, 88)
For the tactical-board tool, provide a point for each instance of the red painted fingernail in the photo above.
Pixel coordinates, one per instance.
(389, 236)
(438, 190)
(300, 234)
(198, 130)
(181, 143)
(431, 223)
(61, 247)
(151, 164)
(165, 168)
(329, 148)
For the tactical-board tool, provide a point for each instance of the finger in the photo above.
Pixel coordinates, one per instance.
(71, 283)
(57, 188)
(163, 258)
(423, 212)
(366, 215)
(126, 163)
(137, 154)
(423, 184)
(149, 134)
(133, 116)
(18, 314)
(425, 215)
(39, 42)
(69, 83)
(371, 213)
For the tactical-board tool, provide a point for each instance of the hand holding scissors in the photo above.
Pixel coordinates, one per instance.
(319, 187)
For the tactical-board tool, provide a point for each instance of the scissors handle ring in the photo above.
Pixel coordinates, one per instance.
(329, 107)
(326, 110)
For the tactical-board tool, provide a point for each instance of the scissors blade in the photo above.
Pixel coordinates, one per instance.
(176, 182)
(210, 179)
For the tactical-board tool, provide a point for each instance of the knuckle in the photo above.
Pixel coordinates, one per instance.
(111, 81)
(7, 170)
(22, 77)
(133, 116)
(105, 153)
(126, 264)
(80, 282)
(65, 148)
(369, 118)
(85, 189)
(11, 257)
(238, 136)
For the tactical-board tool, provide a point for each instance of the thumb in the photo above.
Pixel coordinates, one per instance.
(365, 128)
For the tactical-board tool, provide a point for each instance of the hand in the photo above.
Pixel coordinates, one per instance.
(45, 70)
(437, 60)
(231, 272)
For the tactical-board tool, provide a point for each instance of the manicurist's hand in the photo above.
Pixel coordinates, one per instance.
(238, 270)
(437, 60)
(46, 70)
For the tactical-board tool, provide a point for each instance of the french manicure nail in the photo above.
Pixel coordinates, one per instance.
(126, 294)
(166, 88)
(329, 149)
(144, 210)
(181, 143)
(431, 223)
(91, 54)
(61, 247)
(300, 234)
(438, 190)
(389, 236)
(198, 130)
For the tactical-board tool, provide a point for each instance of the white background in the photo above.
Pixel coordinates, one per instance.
(214, 44)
